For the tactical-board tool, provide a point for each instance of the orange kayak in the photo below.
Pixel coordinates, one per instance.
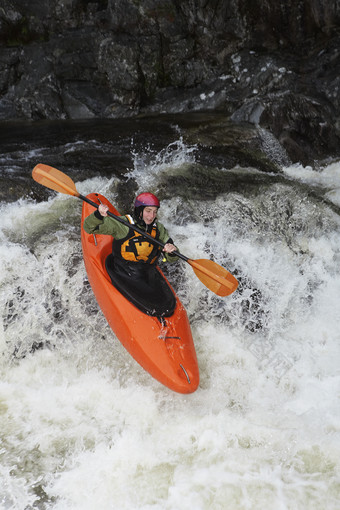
(163, 346)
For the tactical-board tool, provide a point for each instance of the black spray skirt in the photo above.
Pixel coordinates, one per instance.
(143, 285)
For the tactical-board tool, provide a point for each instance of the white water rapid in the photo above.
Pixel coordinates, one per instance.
(83, 427)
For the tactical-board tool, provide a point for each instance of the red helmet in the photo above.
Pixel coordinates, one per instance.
(145, 199)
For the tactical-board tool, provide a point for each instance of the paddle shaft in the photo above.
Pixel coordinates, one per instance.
(213, 276)
(134, 227)
(196, 266)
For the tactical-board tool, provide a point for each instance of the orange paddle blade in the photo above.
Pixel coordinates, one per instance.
(54, 179)
(214, 276)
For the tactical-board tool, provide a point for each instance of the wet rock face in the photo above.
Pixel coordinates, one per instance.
(273, 64)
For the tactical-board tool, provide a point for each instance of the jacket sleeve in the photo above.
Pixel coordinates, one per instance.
(164, 237)
(97, 224)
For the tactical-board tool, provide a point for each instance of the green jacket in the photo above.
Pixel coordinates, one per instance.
(108, 226)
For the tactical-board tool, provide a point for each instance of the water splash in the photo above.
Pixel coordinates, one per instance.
(148, 166)
(77, 412)
(326, 178)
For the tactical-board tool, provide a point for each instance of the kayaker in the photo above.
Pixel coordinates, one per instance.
(134, 258)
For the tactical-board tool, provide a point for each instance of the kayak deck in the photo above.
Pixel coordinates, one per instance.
(162, 345)
(153, 297)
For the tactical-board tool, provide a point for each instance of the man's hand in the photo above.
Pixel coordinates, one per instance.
(169, 248)
(103, 209)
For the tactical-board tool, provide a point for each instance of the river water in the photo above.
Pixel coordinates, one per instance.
(82, 426)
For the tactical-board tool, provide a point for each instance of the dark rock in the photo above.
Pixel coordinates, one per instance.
(275, 65)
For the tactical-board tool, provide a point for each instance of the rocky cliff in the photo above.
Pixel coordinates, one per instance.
(272, 64)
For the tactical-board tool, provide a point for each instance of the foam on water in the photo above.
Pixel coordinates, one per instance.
(84, 427)
(328, 177)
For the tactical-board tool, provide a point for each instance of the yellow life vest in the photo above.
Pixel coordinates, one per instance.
(136, 248)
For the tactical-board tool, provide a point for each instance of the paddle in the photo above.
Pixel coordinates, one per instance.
(213, 276)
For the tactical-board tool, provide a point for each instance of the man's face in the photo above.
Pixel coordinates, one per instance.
(149, 214)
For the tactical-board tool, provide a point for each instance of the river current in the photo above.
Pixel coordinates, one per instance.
(83, 427)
